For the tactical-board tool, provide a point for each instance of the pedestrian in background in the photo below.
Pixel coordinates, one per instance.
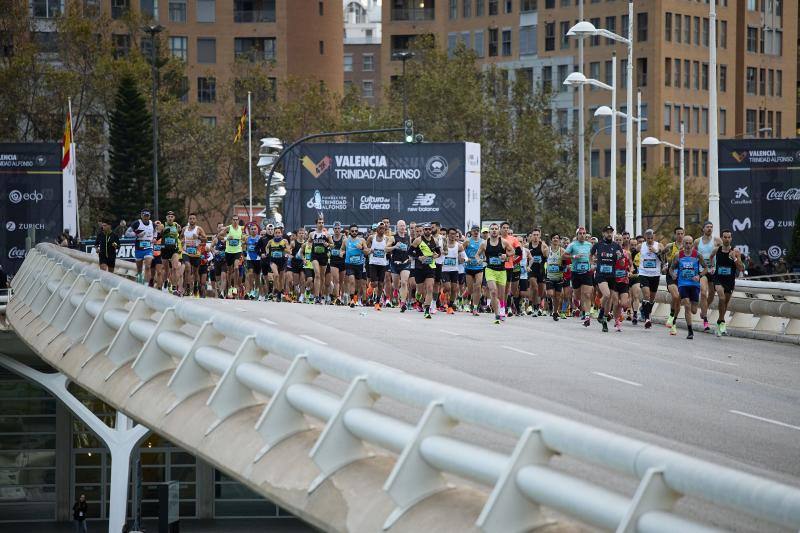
(106, 245)
(79, 511)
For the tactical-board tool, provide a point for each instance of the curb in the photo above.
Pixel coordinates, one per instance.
(742, 333)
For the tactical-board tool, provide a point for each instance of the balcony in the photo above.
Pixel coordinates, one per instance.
(254, 11)
(413, 11)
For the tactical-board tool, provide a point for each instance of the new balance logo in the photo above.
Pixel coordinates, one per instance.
(742, 225)
(424, 200)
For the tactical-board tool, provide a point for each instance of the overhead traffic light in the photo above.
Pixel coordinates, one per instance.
(408, 125)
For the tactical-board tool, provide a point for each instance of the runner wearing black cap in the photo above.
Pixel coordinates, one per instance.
(605, 253)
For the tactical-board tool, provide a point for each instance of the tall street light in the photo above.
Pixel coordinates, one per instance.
(404, 56)
(577, 79)
(653, 141)
(153, 30)
(591, 142)
(713, 111)
(587, 29)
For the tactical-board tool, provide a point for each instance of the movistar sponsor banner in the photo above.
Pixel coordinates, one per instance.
(759, 184)
(30, 198)
(363, 183)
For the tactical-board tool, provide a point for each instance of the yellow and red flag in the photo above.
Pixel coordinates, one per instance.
(240, 127)
(66, 142)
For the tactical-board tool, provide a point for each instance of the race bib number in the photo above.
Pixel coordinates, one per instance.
(580, 268)
(687, 274)
(251, 247)
(319, 249)
(336, 252)
(156, 247)
(649, 263)
(495, 261)
(191, 250)
(144, 245)
(620, 273)
(724, 271)
(537, 258)
(473, 262)
(450, 261)
(169, 241)
(233, 242)
(357, 260)
(379, 254)
(277, 254)
(402, 246)
(426, 259)
(553, 269)
(605, 269)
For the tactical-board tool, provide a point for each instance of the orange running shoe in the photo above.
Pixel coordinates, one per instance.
(377, 306)
(449, 310)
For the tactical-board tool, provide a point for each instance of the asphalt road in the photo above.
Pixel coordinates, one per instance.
(729, 400)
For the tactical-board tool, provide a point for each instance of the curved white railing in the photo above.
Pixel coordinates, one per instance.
(133, 325)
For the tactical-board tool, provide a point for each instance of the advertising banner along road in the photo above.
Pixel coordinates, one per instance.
(30, 197)
(759, 185)
(362, 183)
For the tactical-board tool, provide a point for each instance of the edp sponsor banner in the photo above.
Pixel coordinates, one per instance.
(30, 197)
(759, 184)
(362, 183)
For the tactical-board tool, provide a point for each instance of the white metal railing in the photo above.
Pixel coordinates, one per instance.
(133, 325)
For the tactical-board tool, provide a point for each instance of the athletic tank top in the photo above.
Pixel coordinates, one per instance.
(649, 260)
(144, 239)
(688, 268)
(336, 251)
(493, 253)
(169, 236)
(400, 255)
(378, 255)
(233, 242)
(319, 242)
(725, 267)
(450, 263)
(353, 254)
(440, 240)
(705, 250)
(191, 240)
(555, 262)
(425, 258)
(471, 250)
(252, 247)
(277, 249)
(537, 259)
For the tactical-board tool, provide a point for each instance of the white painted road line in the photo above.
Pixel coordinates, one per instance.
(769, 420)
(268, 321)
(715, 360)
(453, 333)
(517, 350)
(615, 378)
(312, 339)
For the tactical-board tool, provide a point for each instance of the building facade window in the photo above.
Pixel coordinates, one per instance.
(477, 43)
(46, 8)
(641, 71)
(668, 71)
(750, 80)
(119, 8)
(527, 6)
(453, 9)
(527, 40)
(367, 89)
(206, 90)
(256, 11)
(678, 28)
(506, 50)
(254, 48)
(348, 62)
(493, 7)
(367, 62)
(752, 39)
(179, 47)
(493, 44)
(668, 26)
(206, 10)
(667, 117)
(641, 27)
(549, 36)
(564, 27)
(206, 50)
(466, 10)
(177, 11)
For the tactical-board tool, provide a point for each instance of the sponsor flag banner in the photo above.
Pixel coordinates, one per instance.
(759, 185)
(240, 127)
(30, 197)
(70, 178)
(362, 183)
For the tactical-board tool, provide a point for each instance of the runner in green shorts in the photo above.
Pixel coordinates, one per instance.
(497, 251)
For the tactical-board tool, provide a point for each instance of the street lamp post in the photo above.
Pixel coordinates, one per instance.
(653, 141)
(586, 29)
(153, 31)
(713, 172)
(591, 142)
(404, 56)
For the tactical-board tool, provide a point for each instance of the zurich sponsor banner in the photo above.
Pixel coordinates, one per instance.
(759, 182)
(30, 197)
(362, 183)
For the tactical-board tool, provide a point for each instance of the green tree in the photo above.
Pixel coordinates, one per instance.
(130, 153)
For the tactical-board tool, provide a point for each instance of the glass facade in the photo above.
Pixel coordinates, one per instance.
(32, 451)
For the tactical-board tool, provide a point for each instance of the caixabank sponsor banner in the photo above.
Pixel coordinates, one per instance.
(30, 197)
(759, 184)
(362, 183)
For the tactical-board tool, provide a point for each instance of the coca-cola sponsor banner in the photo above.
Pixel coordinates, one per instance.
(759, 184)
(30, 197)
(362, 183)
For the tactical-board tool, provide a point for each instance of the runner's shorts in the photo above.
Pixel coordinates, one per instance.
(423, 272)
(555, 286)
(691, 292)
(621, 288)
(192, 260)
(254, 265)
(230, 259)
(450, 276)
(579, 280)
(356, 271)
(726, 282)
(651, 282)
(377, 273)
(140, 254)
(108, 261)
(498, 276)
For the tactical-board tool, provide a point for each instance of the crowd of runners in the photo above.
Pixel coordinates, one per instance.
(430, 269)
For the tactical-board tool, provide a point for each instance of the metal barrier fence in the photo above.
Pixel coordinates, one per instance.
(116, 318)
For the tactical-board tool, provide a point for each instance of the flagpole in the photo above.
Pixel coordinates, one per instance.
(74, 164)
(250, 153)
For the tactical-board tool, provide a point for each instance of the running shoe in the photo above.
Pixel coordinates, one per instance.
(433, 310)
(377, 306)
(555, 317)
(563, 315)
(475, 312)
(352, 303)
(690, 336)
(604, 322)
(634, 320)
(427, 315)
(673, 330)
(706, 325)
(587, 321)
(496, 319)
(403, 307)
(450, 311)
(670, 321)
(718, 330)
(618, 325)
(648, 324)
(723, 329)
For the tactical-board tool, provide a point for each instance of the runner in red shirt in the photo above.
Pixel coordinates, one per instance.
(620, 293)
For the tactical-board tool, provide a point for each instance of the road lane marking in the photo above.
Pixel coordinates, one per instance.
(453, 333)
(769, 420)
(517, 350)
(615, 378)
(312, 339)
(715, 360)
(268, 321)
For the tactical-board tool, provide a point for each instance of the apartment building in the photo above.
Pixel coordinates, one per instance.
(362, 48)
(756, 57)
(211, 35)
